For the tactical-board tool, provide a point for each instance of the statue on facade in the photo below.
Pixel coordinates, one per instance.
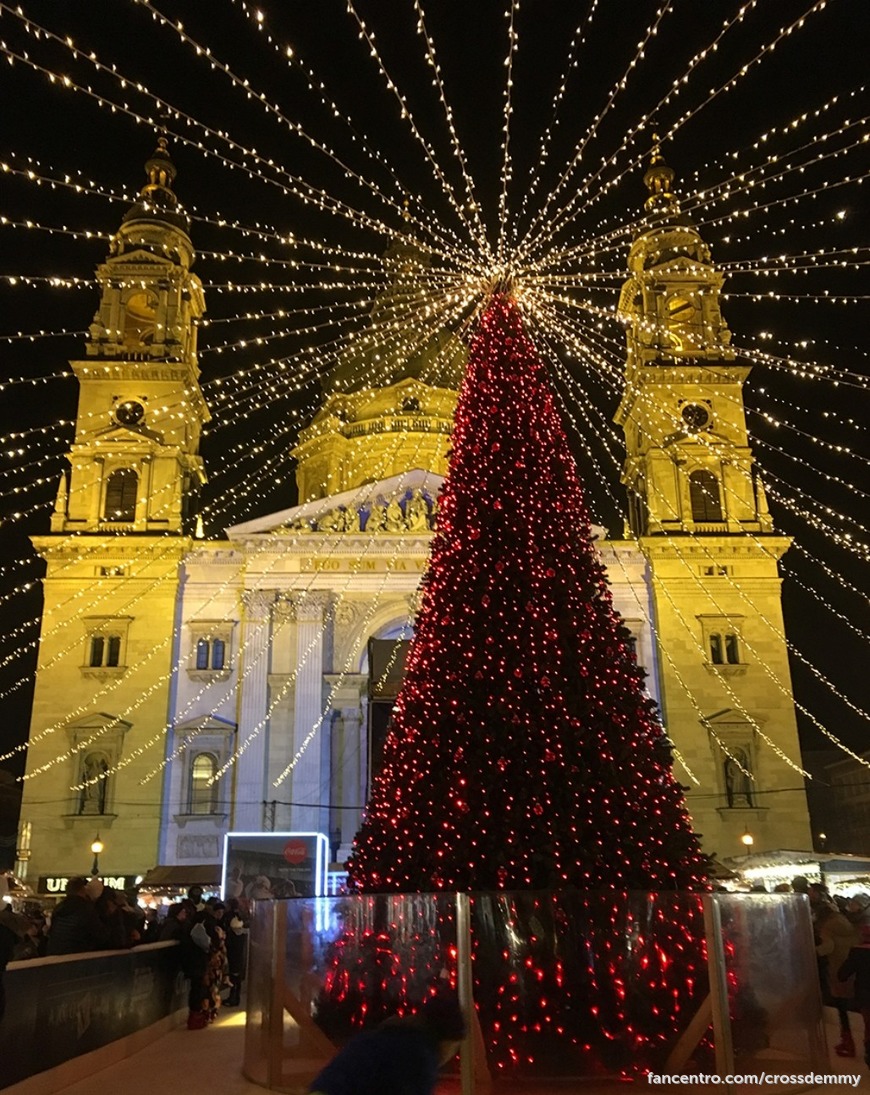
(738, 785)
(331, 522)
(350, 520)
(377, 515)
(93, 793)
(394, 519)
(417, 512)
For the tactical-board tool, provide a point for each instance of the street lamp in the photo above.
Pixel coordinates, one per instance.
(747, 840)
(823, 841)
(96, 848)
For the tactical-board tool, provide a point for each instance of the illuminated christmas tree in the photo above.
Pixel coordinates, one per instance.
(524, 751)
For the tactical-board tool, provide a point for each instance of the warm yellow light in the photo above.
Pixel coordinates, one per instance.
(748, 839)
(97, 845)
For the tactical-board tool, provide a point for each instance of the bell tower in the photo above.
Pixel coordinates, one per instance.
(134, 464)
(119, 534)
(689, 465)
(697, 506)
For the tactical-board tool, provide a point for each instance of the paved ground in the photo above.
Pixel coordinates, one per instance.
(208, 1062)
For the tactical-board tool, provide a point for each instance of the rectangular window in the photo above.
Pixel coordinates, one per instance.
(210, 647)
(721, 639)
(106, 642)
(716, 649)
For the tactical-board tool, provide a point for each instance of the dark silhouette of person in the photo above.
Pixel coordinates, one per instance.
(400, 1057)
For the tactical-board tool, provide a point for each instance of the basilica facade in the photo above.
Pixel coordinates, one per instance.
(189, 687)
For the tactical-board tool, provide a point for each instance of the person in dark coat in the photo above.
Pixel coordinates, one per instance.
(111, 915)
(836, 936)
(401, 1057)
(857, 965)
(75, 925)
(13, 928)
(178, 921)
(237, 950)
(150, 926)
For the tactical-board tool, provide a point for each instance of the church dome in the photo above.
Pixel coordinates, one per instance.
(157, 203)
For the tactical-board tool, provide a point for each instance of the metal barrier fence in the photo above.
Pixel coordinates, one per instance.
(59, 1008)
(554, 985)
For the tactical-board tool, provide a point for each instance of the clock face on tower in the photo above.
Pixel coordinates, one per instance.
(129, 413)
(695, 416)
(680, 310)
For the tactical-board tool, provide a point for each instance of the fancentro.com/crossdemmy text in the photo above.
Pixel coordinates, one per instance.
(760, 1079)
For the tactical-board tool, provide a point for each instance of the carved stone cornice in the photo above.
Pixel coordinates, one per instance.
(257, 603)
(209, 676)
(313, 604)
(284, 609)
(103, 673)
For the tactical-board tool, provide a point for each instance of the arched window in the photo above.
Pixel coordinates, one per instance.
(218, 653)
(140, 316)
(704, 495)
(122, 488)
(202, 654)
(98, 647)
(203, 796)
(732, 649)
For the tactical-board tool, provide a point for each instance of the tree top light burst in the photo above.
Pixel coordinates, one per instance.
(510, 149)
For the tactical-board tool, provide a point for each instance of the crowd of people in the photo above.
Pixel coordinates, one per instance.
(842, 934)
(212, 936)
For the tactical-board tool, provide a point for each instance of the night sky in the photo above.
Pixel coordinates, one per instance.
(814, 315)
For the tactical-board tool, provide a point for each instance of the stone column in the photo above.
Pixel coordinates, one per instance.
(306, 782)
(349, 758)
(354, 787)
(250, 773)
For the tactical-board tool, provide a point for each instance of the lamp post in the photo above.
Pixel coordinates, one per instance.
(823, 843)
(747, 840)
(96, 848)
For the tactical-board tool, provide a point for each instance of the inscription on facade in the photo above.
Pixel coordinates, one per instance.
(364, 566)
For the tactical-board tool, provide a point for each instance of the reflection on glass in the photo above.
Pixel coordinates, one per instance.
(565, 984)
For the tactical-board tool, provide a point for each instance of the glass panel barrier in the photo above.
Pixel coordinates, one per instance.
(584, 984)
(343, 965)
(258, 985)
(565, 984)
(773, 984)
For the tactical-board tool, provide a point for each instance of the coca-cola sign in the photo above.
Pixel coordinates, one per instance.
(295, 851)
(267, 866)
